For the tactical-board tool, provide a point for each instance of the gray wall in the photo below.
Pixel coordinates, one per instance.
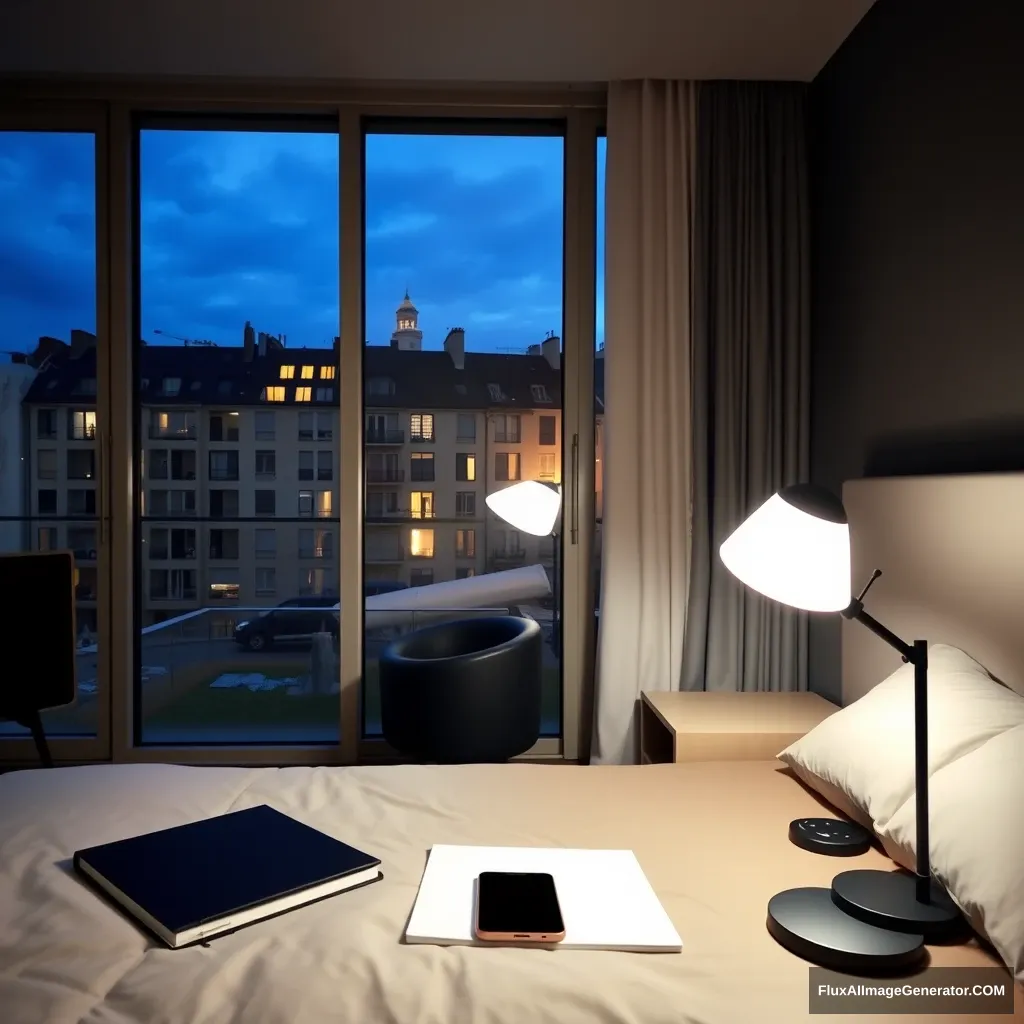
(918, 269)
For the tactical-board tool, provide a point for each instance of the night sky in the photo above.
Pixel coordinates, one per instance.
(242, 226)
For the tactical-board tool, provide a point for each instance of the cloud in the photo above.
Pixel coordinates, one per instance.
(244, 226)
(47, 236)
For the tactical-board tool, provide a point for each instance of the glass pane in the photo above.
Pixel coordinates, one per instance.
(460, 229)
(48, 462)
(602, 154)
(237, 523)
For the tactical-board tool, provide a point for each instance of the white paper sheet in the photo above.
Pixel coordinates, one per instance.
(606, 900)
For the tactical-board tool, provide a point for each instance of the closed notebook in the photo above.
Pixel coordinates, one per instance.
(191, 882)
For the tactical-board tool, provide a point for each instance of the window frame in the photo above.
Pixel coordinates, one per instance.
(110, 111)
(88, 115)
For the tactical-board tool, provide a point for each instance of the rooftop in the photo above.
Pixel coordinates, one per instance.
(191, 375)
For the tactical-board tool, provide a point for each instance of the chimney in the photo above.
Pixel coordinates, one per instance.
(81, 341)
(600, 351)
(262, 345)
(533, 350)
(551, 350)
(455, 346)
(249, 342)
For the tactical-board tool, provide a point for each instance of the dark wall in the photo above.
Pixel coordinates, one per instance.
(917, 149)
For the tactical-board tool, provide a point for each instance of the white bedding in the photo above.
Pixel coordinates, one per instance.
(66, 956)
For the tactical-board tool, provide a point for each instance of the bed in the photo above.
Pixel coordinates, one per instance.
(67, 956)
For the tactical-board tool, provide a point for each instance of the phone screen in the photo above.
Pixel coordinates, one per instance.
(518, 903)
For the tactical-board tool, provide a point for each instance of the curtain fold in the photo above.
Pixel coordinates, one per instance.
(751, 361)
(647, 442)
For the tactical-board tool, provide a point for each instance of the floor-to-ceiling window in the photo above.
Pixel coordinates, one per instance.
(463, 379)
(236, 379)
(51, 418)
(258, 360)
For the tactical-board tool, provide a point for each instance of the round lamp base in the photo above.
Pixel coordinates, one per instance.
(888, 899)
(808, 923)
(831, 836)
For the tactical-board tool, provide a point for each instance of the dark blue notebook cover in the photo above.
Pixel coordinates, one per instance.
(203, 871)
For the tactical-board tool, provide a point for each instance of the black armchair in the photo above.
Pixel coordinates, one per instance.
(464, 691)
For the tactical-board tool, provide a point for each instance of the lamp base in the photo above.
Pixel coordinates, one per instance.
(808, 923)
(830, 836)
(888, 899)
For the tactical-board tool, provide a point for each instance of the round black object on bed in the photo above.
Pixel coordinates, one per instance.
(830, 836)
(464, 691)
(808, 923)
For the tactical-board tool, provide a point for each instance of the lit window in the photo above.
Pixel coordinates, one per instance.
(421, 426)
(421, 543)
(421, 504)
(273, 394)
(303, 394)
(287, 372)
(324, 504)
(307, 373)
(327, 373)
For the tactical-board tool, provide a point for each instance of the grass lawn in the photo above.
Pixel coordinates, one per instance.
(233, 708)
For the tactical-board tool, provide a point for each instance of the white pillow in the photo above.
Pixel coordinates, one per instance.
(861, 758)
(976, 833)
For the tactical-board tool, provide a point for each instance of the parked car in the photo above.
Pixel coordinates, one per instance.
(294, 621)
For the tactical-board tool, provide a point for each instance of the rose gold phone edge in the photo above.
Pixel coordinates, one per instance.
(537, 937)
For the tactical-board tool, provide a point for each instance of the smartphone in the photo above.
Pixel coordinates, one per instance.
(518, 907)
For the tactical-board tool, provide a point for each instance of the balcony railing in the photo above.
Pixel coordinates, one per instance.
(384, 556)
(421, 438)
(187, 433)
(326, 553)
(385, 436)
(505, 558)
(379, 518)
(508, 437)
(384, 476)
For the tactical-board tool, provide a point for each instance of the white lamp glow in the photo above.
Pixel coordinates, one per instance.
(529, 506)
(792, 556)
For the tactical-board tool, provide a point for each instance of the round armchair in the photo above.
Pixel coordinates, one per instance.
(463, 691)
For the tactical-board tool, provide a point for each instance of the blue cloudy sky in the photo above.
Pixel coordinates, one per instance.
(242, 226)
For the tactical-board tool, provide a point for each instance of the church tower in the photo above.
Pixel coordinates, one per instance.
(407, 333)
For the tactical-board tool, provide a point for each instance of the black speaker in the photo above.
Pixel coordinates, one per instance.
(39, 617)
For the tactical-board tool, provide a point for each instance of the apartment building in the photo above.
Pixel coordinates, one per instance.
(238, 464)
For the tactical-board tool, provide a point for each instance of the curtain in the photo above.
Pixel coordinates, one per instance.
(647, 444)
(751, 387)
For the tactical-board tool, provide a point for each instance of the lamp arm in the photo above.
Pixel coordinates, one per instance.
(855, 611)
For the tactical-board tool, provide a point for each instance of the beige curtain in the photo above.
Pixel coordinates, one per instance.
(751, 371)
(647, 446)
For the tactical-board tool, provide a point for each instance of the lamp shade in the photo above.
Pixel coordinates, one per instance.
(795, 549)
(530, 506)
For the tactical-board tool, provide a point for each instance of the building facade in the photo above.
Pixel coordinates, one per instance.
(237, 463)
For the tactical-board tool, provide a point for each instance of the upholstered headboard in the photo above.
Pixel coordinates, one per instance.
(951, 551)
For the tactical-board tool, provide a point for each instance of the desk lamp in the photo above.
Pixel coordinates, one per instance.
(795, 549)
